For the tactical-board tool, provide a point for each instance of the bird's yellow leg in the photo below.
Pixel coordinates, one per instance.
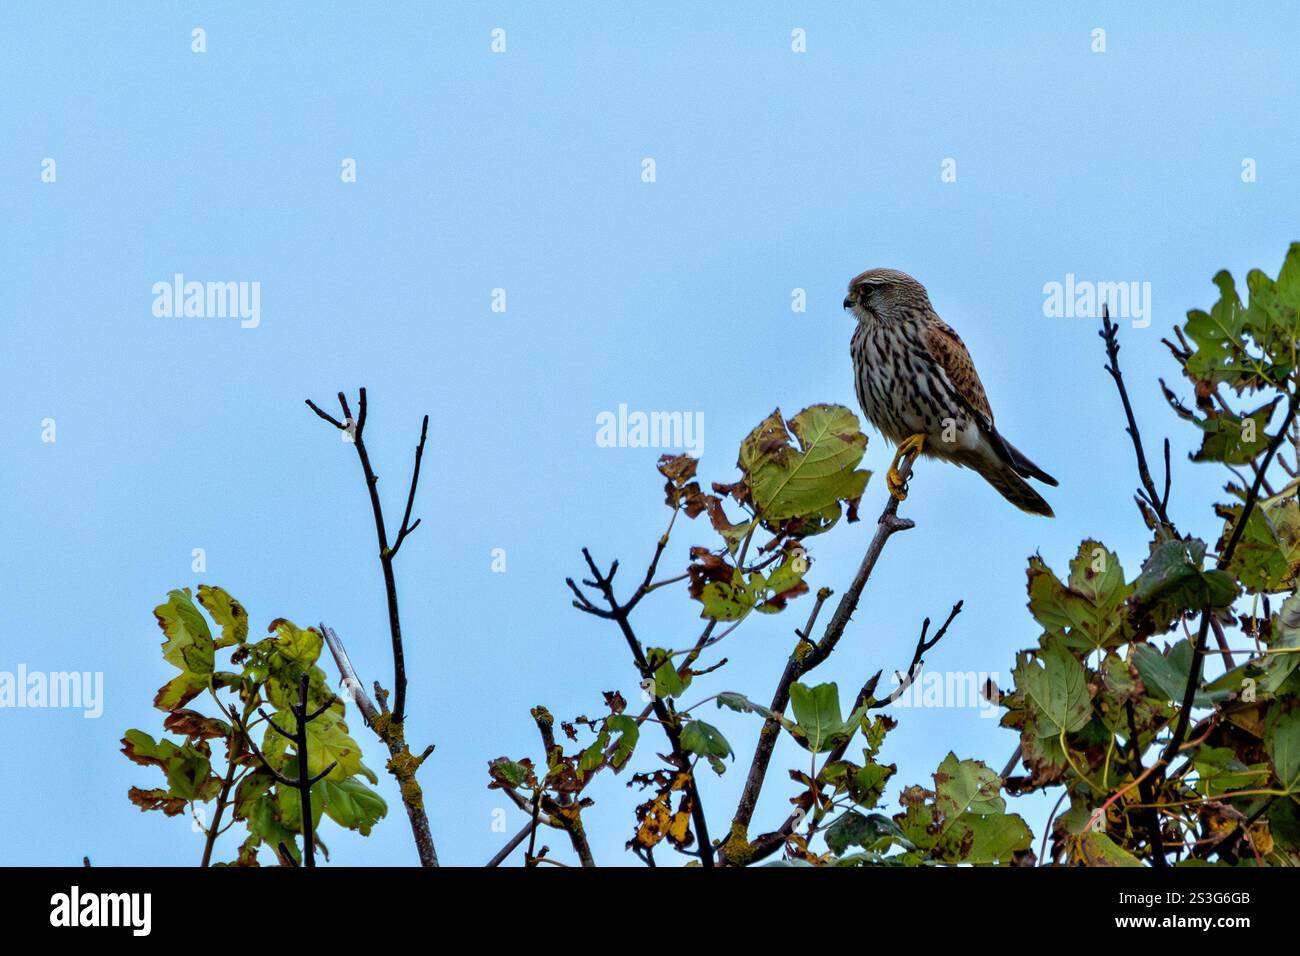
(909, 446)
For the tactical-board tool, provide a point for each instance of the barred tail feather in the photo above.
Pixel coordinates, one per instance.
(1012, 487)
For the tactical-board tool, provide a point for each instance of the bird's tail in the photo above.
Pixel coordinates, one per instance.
(1011, 486)
(1023, 465)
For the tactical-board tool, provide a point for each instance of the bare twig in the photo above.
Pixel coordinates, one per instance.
(922, 645)
(1221, 639)
(530, 860)
(509, 848)
(406, 526)
(386, 553)
(1109, 332)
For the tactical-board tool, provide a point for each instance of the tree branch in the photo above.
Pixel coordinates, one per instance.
(406, 527)
(1109, 332)
(803, 659)
(402, 764)
(386, 553)
(1225, 558)
(603, 584)
(922, 645)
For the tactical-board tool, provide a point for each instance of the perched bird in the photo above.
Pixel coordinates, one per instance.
(916, 383)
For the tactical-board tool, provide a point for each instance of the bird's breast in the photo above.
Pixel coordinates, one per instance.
(903, 391)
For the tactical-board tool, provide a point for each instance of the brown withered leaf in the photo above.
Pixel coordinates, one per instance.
(694, 500)
(133, 753)
(614, 700)
(705, 568)
(778, 601)
(1219, 819)
(156, 800)
(563, 777)
(658, 820)
(179, 691)
(678, 469)
(737, 490)
(191, 723)
(248, 852)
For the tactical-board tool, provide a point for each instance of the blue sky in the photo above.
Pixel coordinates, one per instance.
(775, 170)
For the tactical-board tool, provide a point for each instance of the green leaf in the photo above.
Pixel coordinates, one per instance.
(189, 775)
(964, 819)
(1173, 583)
(351, 804)
(1267, 556)
(265, 818)
(737, 702)
(785, 582)
(291, 806)
(1219, 771)
(228, 613)
(1098, 849)
(1058, 690)
(1273, 317)
(249, 791)
(706, 741)
(1165, 675)
(807, 482)
(875, 833)
(818, 721)
(1282, 741)
(189, 646)
(143, 749)
(628, 734)
(1086, 611)
(1219, 355)
(668, 683)
(864, 784)
(593, 757)
(1278, 668)
(294, 644)
(328, 742)
(1228, 438)
(511, 774)
(727, 600)
(180, 690)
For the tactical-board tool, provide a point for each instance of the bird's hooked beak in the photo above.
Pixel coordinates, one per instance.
(849, 301)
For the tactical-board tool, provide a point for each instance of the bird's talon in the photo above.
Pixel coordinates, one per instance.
(897, 486)
(895, 481)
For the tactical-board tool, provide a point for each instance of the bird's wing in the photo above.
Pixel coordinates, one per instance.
(950, 352)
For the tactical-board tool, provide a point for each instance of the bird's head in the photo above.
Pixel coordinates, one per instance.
(884, 294)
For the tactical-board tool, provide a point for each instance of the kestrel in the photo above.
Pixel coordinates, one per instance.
(916, 383)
